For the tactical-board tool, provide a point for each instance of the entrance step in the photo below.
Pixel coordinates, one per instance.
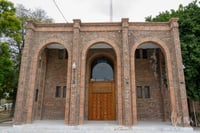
(95, 127)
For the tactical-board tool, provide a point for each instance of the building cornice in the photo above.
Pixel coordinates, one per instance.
(101, 26)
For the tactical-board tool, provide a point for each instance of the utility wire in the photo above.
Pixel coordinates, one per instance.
(60, 11)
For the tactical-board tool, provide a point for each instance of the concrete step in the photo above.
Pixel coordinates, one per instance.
(95, 127)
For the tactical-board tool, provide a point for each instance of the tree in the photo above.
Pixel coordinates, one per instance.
(189, 27)
(10, 29)
(12, 24)
(38, 15)
(6, 71)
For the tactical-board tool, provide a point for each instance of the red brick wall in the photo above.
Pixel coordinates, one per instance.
(148, 74)
(40, 85)
(56, 72)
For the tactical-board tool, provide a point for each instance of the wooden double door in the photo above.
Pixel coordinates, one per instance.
(101, 100)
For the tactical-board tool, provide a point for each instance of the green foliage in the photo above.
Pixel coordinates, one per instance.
(189, 27)
(10, 25)
(10, 31)
(6, 70)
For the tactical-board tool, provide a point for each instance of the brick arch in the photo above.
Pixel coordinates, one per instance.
(34, 62)
(85, 49)
(111, 43)
(45, 43)
(167, 55)
(156, 41)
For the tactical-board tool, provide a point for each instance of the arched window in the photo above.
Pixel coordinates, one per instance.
(102, 70)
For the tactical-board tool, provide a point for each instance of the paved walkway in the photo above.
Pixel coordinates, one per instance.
(94, 127)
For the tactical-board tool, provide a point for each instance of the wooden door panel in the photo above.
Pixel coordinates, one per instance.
(101, 100)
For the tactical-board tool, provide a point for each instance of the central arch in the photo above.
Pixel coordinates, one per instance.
(85, 68)
(100, 83)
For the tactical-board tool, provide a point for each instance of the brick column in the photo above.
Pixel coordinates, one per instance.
(67, 105)
(126, 83)
(74, 100)
(18, 119)
(19, 116)
(42, 78)
(162, 85)
(180, 73)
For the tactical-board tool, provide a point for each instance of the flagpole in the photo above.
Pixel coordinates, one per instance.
(111, 11)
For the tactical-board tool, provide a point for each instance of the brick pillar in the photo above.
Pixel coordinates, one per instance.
(74, 100)
(67, 105)
(126, 82)
(180, 73)
(19, 116)
(42, 86)
(18, 119)
(162, 85)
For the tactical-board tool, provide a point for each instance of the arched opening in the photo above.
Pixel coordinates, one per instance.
(100, 103)
(50, 88)
(152, 93)
(102, 70)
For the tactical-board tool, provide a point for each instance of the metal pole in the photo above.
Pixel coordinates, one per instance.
(111, 11)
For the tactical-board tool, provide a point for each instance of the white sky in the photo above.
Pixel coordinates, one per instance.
(98, 10)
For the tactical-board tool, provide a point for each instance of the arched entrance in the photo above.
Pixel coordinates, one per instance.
(101, 93)
(50, 88)
(152, 93)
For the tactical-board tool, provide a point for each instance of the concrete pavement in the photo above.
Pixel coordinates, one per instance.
(58, 126)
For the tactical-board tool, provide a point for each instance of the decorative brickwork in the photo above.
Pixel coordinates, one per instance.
(56, 67)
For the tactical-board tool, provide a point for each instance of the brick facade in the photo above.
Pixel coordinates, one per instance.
(56, 71)
(46, 71)
(149, 73)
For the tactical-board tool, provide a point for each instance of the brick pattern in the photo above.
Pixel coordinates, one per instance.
(148, 74)
(40, 85)
(50, 106)
(124, 37)
(126, 75)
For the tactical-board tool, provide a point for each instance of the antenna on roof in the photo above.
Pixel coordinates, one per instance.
(111, 11)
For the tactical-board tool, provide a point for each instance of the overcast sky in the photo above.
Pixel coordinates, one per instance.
(99, 10)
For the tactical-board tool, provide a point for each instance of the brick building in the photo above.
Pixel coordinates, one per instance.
(120, 71)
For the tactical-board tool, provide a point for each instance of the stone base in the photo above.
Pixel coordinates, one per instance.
(95, 127)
